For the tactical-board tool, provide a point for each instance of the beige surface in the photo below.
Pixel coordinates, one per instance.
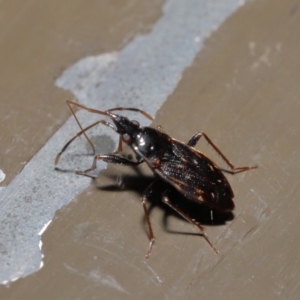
(39, 39)
(242, 90)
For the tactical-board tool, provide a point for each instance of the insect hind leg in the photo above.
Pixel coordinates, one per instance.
(196, 137)
(167, 201)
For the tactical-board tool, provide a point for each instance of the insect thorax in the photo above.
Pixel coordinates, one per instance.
(150, 141)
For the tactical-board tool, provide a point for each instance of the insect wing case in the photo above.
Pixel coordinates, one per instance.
(196, 176)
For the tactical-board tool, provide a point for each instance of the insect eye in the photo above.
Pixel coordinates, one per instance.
(135, 122)
(126, 138)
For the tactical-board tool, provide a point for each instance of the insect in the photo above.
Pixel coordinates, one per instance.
(179, 164)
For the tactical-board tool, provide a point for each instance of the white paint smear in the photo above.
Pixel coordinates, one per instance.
(2, 175)
(44, 228)
(142, 75)
(41, 243)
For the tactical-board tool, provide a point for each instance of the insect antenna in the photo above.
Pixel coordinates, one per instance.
(148, 116)
(70, 103)
(79, 134)
(100, 112)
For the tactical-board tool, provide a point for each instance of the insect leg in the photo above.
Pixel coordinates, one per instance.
(110, 158)
(79, 134)
(119, 149)
(145, 196)
(167, 201)
(196, 137)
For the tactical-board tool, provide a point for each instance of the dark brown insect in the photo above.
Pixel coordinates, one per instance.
(183, 167)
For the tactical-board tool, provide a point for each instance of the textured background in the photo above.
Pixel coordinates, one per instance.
(242, 90)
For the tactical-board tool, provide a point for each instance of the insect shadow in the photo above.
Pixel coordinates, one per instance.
(197, 211)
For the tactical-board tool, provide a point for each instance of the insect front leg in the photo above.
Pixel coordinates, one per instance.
(196, 137)
(110, 158)
(145, 196)
(167, 201)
